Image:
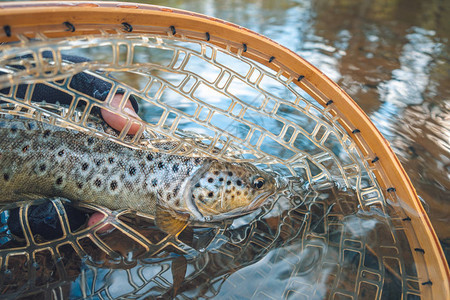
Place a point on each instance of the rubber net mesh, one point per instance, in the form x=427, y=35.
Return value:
x=331, y=233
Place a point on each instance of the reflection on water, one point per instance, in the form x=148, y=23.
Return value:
x=305, y=245
x=395, y=65
x=411, y=80
x=392, y=57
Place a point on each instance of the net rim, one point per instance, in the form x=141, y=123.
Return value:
x=19, y=17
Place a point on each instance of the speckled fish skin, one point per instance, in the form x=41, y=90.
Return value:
x=40, y=160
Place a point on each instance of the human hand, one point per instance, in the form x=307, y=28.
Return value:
x=93, y=87
x=118, y=123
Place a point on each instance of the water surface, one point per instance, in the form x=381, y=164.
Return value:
x=391, y=57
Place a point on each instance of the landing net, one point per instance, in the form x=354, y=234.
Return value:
x=348, y=227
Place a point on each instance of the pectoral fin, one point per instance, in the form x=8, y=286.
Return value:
x=170, y=221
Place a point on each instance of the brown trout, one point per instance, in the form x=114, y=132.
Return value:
x=39, y=160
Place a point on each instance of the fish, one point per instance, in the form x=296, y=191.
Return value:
x=39, y=160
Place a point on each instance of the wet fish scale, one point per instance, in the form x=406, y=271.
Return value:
x=52, y=160
x=41, y=160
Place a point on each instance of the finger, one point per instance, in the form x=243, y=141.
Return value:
x=96, y=218
x=117, y=122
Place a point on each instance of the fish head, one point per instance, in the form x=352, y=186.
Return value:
x=226, y=190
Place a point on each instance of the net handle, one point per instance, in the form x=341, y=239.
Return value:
x=59, y=19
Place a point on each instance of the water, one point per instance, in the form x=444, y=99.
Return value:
x=395, y=65
x=391, y=57
x=311, y=245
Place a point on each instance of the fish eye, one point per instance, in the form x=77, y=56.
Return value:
x=258, y=183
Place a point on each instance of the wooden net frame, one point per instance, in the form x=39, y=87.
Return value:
x=289, y=86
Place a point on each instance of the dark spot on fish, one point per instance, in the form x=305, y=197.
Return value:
x=228, y=182
x=30, y=125
x=47, y=133
x=5, y=177
x=238, y=182
x=169, y=196
x=245, y=193
x=197, y=160
x=210, y=194
x=24, y=149
x=113, y=185
x=233, y=188
x=42, y=168
x=132, y=171
x=188, y=171
x=97, y=182
x=149, y=157
x=90, y=140
x=177, y=202
x=99, y=162
x=61, y=153
x=176, y=190
x=160, y=165
x=220, y=179
x=59, y=180
x=210, y=180
x=79, y=185
x=111, y=160
x=13, y=129
x=154, y=182
x=175, y=168
x=238, y=193
x=216, y=173
x=228, y=191
x=230, y=174
x=232, y=197
x=197, y=185
x=201, y=198
x=84, y=166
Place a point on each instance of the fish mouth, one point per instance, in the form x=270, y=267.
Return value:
x=258, y=201
x=237, y=212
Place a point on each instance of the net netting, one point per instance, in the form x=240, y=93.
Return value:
x=334, y=232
